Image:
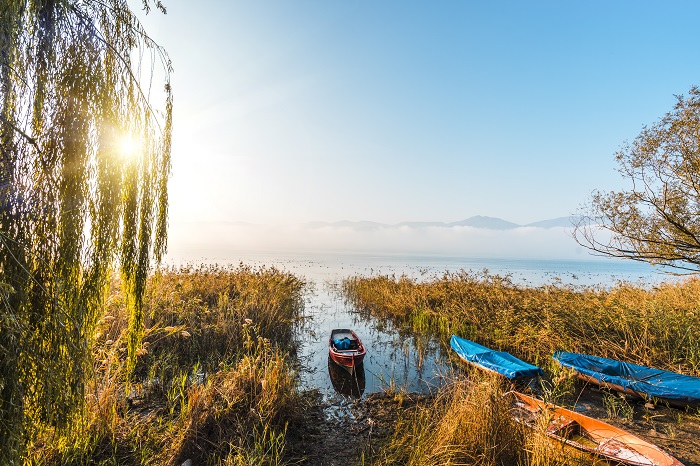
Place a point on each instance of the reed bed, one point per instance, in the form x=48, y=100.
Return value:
x=213, y=381
x=653, y=326
x=469, y=421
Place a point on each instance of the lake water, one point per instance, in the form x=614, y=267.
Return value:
x=323, y=267
x=407, y=363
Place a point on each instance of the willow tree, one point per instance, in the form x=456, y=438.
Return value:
x=657, y=219
x=84, y=164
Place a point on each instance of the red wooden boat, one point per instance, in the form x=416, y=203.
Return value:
x=590, y=435
x=345, y=348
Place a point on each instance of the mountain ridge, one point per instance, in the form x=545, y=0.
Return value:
x=476, y=221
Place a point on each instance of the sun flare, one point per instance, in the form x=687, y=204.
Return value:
x=128, y=147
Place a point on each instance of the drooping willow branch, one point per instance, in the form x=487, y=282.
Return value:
x=73, y=209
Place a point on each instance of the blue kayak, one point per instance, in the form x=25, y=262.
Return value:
x=495, y=361
x=646, y=382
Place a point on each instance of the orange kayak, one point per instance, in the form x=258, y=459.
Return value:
x=588, y=434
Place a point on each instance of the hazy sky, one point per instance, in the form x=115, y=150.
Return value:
x=389, y=111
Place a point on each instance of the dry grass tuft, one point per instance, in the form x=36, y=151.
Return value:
x=237, y=408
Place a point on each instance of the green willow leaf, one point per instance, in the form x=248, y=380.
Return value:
x=74, y=206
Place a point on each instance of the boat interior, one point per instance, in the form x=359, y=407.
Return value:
x=564, y=428
x=570, y=430
x=344, y=341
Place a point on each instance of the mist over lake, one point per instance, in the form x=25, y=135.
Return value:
x=321, y=266
x=218, y=240
x=531, y=254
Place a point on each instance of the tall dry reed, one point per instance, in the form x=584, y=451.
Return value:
x=213, y=380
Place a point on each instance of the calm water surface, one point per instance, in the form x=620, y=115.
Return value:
x=392, y=360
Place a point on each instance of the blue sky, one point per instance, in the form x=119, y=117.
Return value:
x=390, y=111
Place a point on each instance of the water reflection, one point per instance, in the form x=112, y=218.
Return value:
x=346, y=383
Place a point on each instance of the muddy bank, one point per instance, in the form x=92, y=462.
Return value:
x=332, y=436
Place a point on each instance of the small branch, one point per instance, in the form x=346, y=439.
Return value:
x=29, y=139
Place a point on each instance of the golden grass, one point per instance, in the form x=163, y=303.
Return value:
x=649, y=326
x=213, y=381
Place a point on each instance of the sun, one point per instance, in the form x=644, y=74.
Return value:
x=128, y=147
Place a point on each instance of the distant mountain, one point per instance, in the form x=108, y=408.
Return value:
x=480, y=221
